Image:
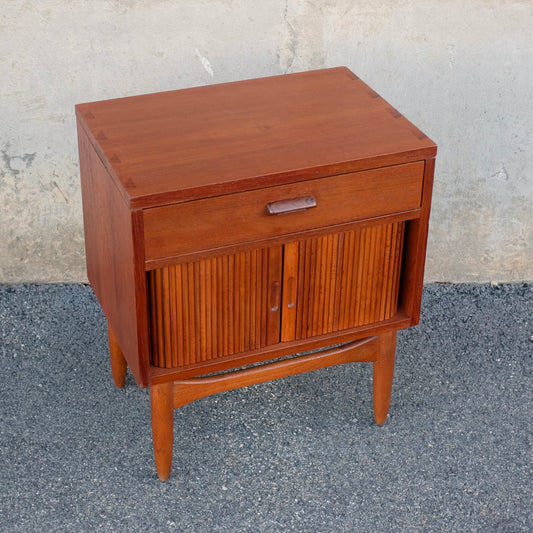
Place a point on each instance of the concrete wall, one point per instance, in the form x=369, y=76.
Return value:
x=462, y=70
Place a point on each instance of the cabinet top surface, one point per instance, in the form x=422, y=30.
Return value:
x=192, y=143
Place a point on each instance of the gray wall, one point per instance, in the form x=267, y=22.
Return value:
x=462, y=70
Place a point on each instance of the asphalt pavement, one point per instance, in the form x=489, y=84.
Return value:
x=299, y=454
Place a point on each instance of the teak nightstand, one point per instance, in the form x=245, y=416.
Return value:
x=235, y=224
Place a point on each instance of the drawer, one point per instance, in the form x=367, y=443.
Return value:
x=199, y=225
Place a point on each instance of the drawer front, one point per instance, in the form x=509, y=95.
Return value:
x=181, y=229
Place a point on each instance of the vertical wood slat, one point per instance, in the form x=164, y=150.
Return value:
x=345, y=280
x=190, y=356
x=290, y=290
x=303, y=261
x=312, y=285
x=356, y=305
x=214, y=307
x=274, y=270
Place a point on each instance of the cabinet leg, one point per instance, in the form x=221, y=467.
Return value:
x=383, y=374
x=118, y=363
x=162, y=402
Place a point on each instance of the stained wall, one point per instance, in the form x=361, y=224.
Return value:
x=461, y=70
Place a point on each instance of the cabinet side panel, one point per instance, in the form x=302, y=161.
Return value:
x=412, y=279
x=108, y=226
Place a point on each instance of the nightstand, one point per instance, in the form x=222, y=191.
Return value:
x=231, y=226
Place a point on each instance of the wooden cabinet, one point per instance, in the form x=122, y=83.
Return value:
x=236, y=224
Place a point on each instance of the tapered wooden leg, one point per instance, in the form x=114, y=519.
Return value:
x=118, y=363
x=162, y=401
x=383, y=374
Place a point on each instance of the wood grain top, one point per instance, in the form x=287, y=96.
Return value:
x=205, y=141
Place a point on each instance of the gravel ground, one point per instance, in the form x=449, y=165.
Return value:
x=298, y=454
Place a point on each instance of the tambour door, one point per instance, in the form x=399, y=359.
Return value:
x=341, y=281
x=229, y=304
x=210, y=308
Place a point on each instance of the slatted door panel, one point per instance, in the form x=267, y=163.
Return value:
x=341, y=281
x=214, y=307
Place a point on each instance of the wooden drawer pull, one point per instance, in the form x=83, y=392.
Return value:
x=290, y=205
